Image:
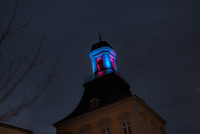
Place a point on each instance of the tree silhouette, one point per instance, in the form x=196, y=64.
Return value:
x=11, y=77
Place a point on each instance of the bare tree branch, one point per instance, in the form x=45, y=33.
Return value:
x=23, y=75
x=19, y=28
x=11, y=77
x=26, y=102
x=11, y=33
x=1, y=30
x=10, y=23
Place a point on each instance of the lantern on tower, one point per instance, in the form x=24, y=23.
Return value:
x=103, y=57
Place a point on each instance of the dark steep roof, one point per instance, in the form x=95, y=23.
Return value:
x=108, y=89
x=100, y=44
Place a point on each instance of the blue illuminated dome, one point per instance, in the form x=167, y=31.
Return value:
x=103, y=58
x=100, y=44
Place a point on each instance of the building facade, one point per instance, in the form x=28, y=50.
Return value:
x=107, y=105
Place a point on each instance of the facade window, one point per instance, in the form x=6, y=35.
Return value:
x=127, y=129
x=125, y=122
x=104, y=126
x=106, y=130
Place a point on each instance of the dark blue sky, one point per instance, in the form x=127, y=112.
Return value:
x=157, y=43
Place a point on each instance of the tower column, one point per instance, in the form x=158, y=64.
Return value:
x=115, y=67
x=106, y=60
x=94, y=67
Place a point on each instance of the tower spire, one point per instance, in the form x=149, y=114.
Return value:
x=99, y=35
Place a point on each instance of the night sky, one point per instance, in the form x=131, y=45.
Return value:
x=157, y=43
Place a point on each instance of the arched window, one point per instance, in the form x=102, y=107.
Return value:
x=126, y=126
x=106, y=130
x=125, y=123
x=104, y=126
x=100, y=64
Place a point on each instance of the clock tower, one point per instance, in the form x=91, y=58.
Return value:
x=107, y=105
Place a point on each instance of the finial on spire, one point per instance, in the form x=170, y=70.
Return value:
x=99, y=35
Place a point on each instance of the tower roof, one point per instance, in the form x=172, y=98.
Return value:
x=100, y=44
x=107, y=89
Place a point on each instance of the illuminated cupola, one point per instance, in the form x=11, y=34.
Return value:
x=103, y=57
